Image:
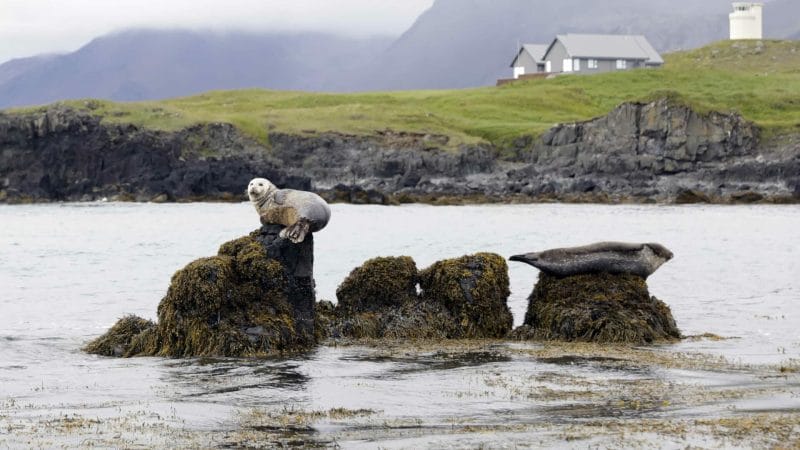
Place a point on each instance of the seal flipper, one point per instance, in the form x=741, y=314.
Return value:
x=297, y=231
x=528, y=258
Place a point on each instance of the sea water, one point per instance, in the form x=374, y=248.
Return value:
x=69, y=271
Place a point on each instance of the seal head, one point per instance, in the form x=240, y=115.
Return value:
x=259, y=190
x=610, y=257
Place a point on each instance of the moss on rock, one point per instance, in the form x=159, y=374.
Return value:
x=379, y=283
x=474, y=288
x=117, y=341
x=606, y=308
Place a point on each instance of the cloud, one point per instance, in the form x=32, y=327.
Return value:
x=29, y=27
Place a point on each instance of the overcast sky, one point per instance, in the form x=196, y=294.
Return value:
x=30, y=27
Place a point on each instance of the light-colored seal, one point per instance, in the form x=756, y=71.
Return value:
x=610, y=257
x=300, y=212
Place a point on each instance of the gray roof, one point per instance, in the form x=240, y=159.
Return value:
x=609, y=46
x=537, y=52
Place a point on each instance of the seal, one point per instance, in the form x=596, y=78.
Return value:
x=610, y=257
x=300, y=212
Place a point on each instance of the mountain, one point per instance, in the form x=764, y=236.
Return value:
x=151, y=64
x=20, y=66
x=454, y=44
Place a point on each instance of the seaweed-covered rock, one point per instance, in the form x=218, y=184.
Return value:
x=117, y=341
x=606, y=308
x=379, y=283
x=474, y=289
x=461, y=298
x=256, y=297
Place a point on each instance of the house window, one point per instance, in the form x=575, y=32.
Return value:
x=567, y=65
x=576, y=65
x=591, y=64
x=548, y=66
x=622, y=64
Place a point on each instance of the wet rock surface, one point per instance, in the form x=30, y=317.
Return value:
x=598, y=307
x=255, y=298
x=640, y=152
x=460, y=298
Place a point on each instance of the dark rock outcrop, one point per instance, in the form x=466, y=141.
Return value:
x=603, y=308
x=659, y=151
x=461, y=298
x=640, y=152
x=255, y=298
x=61, y=154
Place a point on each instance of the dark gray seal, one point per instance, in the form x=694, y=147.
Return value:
x=300, y=212
x=610, y=257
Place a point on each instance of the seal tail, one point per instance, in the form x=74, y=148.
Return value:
x=297, y=231
x=528, y=258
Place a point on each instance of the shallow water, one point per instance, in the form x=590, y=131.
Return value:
x=69, y=271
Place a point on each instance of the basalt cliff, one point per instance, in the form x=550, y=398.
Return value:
x=639, y=152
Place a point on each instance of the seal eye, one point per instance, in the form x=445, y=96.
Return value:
x=260, y=184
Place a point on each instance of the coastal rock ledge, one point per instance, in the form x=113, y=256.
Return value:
x=254, y=298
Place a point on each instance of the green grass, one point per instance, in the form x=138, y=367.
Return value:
x=759, y=80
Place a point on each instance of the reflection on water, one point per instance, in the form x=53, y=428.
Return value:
x=69, y=271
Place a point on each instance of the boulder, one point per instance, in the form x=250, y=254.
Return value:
x=596, y=307
x=379, y=283
x=461, y=298
x=119, y=340
x=474, y=289
x=254, y=298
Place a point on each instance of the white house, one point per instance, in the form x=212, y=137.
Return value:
x=747, y=21
x=529, y=59
x=595, y=53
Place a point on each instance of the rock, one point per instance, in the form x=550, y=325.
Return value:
x=746, y=197
x=691, y=196
x=160, y=198
x=118, y=341
x=474, y=289
x=379, y=283
x=610, y=257
x=59, y=153
x=461, y=298
x=255, y=298
x=652, y=150
x=601, y=308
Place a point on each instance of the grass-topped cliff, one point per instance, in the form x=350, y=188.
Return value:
x=759, y=79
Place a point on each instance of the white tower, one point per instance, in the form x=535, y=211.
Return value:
x=746, y=20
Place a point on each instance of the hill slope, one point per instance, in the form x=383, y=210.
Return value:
x=761, y=80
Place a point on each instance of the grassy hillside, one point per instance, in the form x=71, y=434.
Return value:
x=759, y=80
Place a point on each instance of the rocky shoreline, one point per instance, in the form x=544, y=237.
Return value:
x=658, y=152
